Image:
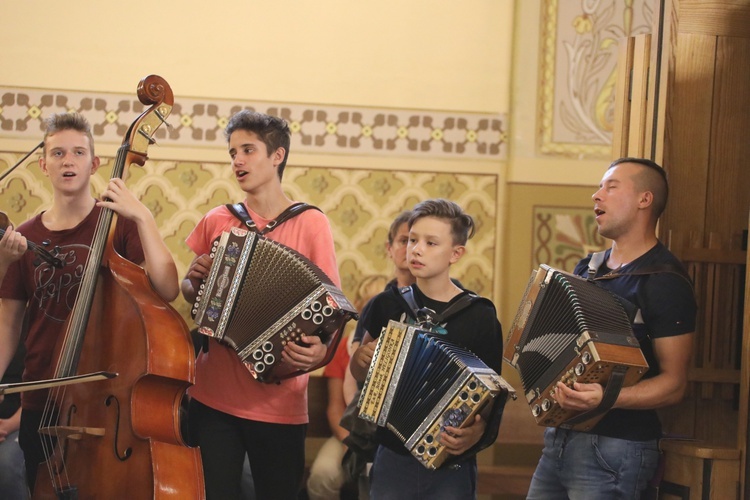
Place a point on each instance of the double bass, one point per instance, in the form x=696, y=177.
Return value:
x=121, y=437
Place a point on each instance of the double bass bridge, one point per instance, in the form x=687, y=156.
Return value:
x=72, y=432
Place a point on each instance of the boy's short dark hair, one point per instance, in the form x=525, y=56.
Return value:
x=402, y=218
x=67, y=121
x=272, y=131
x=653, y=179
x=462, y=224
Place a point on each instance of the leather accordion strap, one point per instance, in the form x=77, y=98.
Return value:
x=239, y=211
x=597, y=259
x=423, y=313
x=611, y=391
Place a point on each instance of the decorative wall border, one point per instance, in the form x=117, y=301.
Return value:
x=315, y=128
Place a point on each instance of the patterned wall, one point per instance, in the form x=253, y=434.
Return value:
x=579, y=49
x=359, y=203
x=315, y=129
x=564, y=235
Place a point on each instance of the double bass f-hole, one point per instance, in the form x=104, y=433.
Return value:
x=128, y=451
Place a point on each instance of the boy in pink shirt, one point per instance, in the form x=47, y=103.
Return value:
x=231, y=413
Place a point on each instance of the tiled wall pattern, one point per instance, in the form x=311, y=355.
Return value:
x=316, y=129
x=359, y=203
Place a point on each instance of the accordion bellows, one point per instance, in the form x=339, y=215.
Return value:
x=569, y=329
x=260, y=295
x=419, y=382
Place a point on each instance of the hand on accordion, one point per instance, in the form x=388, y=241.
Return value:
x=305, y=355
x=580, y=397
x=458, y=441
x=362, y=356
x=197, y=273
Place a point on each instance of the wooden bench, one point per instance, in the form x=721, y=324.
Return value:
x=505, y=469
x=504, y=479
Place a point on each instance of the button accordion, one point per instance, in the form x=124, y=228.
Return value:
x=568, y=329
x=259, y=295
x=419, y=382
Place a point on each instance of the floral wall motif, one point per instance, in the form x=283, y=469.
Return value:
x=564, y=235
x=579, y=70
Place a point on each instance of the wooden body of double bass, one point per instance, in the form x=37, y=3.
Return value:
x=140, y=453
x=121, y=438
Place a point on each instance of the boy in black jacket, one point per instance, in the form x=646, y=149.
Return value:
x=438, y=231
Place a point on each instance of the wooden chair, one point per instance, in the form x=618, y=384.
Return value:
x=708, y=465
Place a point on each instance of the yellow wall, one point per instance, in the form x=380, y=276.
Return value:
x=390, y=53
x=405, y=59
x=387, y=57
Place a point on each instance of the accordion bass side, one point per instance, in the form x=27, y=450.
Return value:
x=419, y=382
x=568, y=329
x=259, y=295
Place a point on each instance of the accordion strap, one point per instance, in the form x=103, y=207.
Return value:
x=240, y=211
x=597, y=259
x=611, y=391
x=426, y=315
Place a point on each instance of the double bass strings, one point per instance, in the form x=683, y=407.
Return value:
x=74, y=333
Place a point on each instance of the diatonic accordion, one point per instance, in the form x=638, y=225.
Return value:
x=419, y=382
x=259, y=295
x=569, y=329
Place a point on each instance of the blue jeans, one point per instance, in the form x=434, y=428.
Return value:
x=581, y=466
x=395, y=476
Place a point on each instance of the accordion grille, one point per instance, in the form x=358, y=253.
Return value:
x=565, y=308
x=426, y=377
x=276, y=281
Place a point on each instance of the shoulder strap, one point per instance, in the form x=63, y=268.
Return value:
x=655, y=269
x=594, y=263
x=239, y=211
x=407, y=295
x=424, y=314
x=597, y=259
x=462, y=303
